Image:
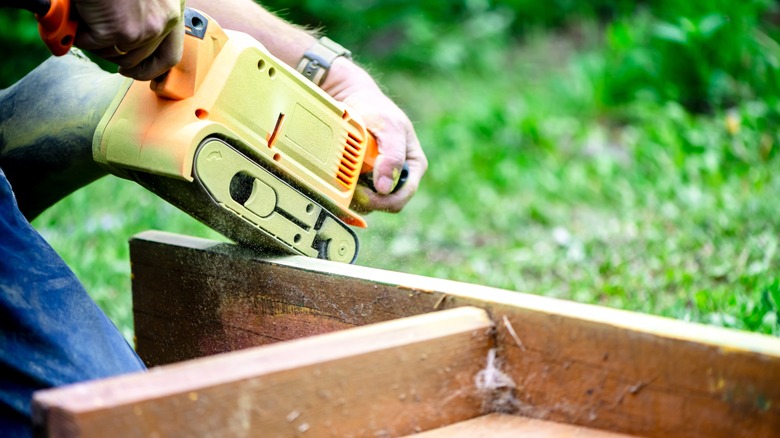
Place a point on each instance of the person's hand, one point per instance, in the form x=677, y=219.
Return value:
x=396, y=140
x=145, y=38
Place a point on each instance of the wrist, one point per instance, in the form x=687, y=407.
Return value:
x=317, y=60
x=345, y=78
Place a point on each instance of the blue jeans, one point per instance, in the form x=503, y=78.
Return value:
x=51, y=332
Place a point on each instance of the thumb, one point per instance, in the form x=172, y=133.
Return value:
x=386, y=174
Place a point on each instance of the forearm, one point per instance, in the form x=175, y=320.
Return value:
x=286, y=41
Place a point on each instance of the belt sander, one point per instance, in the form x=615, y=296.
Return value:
x=242, y=142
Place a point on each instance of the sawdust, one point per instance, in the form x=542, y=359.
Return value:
x=498, y=390
x=513, y=333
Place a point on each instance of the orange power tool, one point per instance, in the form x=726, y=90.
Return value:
x=241, y=141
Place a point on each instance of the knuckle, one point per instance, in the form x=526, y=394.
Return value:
x=101, y=36
x=154, y=30
x=131, y=35
x=424, y=163
x=395, y=159
x=156, y=27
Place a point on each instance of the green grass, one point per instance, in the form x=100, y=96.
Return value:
x=648, y=209
x=536, y=185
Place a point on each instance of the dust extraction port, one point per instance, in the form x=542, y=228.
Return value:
x=241, y=187
x=254, y=194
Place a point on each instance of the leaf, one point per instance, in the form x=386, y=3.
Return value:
x=711, y=24
x=773, y=290
x=671, y=33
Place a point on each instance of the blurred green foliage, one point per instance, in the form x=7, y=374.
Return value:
x=704, y=54
x=22, y=48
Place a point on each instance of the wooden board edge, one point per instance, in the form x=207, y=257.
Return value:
x=269, y=383
x=498, y=425
x=729, y=340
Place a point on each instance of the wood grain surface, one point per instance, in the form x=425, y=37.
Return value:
x=571, y=363
x=387, y=379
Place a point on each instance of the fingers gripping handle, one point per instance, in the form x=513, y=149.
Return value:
x=202, y=42
x=366, y=173
x=56, y=27
x=367, y=179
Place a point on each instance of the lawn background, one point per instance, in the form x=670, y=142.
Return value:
x=618, y=153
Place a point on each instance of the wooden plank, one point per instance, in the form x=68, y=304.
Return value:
x=571, y=363
x=386, y=379
x=193, y=297
x=639, y=374
x=512, y=426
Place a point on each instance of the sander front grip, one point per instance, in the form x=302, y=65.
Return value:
x=57, y=27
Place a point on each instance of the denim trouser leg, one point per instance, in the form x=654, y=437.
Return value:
x=51, y=332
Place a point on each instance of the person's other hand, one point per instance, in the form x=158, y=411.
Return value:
x=145, y=38
x=396, y=140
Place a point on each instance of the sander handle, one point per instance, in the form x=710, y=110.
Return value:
x=55, y=24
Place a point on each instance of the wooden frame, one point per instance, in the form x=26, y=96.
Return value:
x=556, y=360
x=353, y=382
